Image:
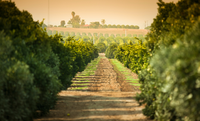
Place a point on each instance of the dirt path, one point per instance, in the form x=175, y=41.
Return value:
x=106, y=78
x=103, y=31
x=104, y=100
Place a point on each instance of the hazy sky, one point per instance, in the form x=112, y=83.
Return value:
x=127, y=12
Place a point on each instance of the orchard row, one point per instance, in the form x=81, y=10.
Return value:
x=34, y=67
x=168, y=63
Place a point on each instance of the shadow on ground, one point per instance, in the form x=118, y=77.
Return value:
x=95, y=106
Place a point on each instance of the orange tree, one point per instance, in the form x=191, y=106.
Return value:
x=168, y=84
x=170, y=77
x=34, y=66
x=133, y=56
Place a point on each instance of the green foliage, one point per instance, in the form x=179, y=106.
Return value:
x=83, y=22
x=44, y=26
x=125, y=39
x=108, y=40
x=103, y=21
x=75, y=20
x=134, y=35
x=89, y=34
x=31, y=46
x=86, y=39
x=62, y=23
x=112, y=35
x=49, y=32
x=101, y=47
x=77, y=54
x=121, y=26
x=136, y=27
x=72, y=34
x=110, y=51
x=78, y=34
x=61, y=33
x=170, y=85
x=102, y=39
x=34, y=66
x=54, y=32
x=77, y=37
x=148, y=27
x=133, y=56
x=119, y=40
x=109, y=26
x=94, y=25
x=129, y=35
x=140, y=35
x=46, y=82
x=16, y=84
x=173, y=20
x=105, y=26
x=66, y=34
x=100, y=35
x=84, y=34
x=149, y=90
x=106, y=35
x=179, y=77
x=117, y=35
x=95, y=34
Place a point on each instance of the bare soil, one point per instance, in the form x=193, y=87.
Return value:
x=108, y=98
x=125, y=86
x=103, y=31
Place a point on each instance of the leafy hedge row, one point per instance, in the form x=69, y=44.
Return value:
x=170, y=83
x=101, y=47
x=111, y=50
x=170, y=87
x=34, y=67
x=133, y=56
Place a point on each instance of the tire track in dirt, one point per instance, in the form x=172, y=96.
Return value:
x=107, y=77
x=104, y=102
x=121, y=79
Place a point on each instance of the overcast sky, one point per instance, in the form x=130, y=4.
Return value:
x=127, y=12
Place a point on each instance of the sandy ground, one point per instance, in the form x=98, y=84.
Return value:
x=103, y=31
x=106, y=101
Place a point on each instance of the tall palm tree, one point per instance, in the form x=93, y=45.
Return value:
x=103, y=21
x=83, y=22
x=73, y=14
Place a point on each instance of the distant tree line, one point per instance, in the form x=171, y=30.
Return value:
x=120, y=26
x=76, y=22
x=103, y=25
x=148, y=27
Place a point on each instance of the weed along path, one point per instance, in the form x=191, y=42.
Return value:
x=102, y=92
